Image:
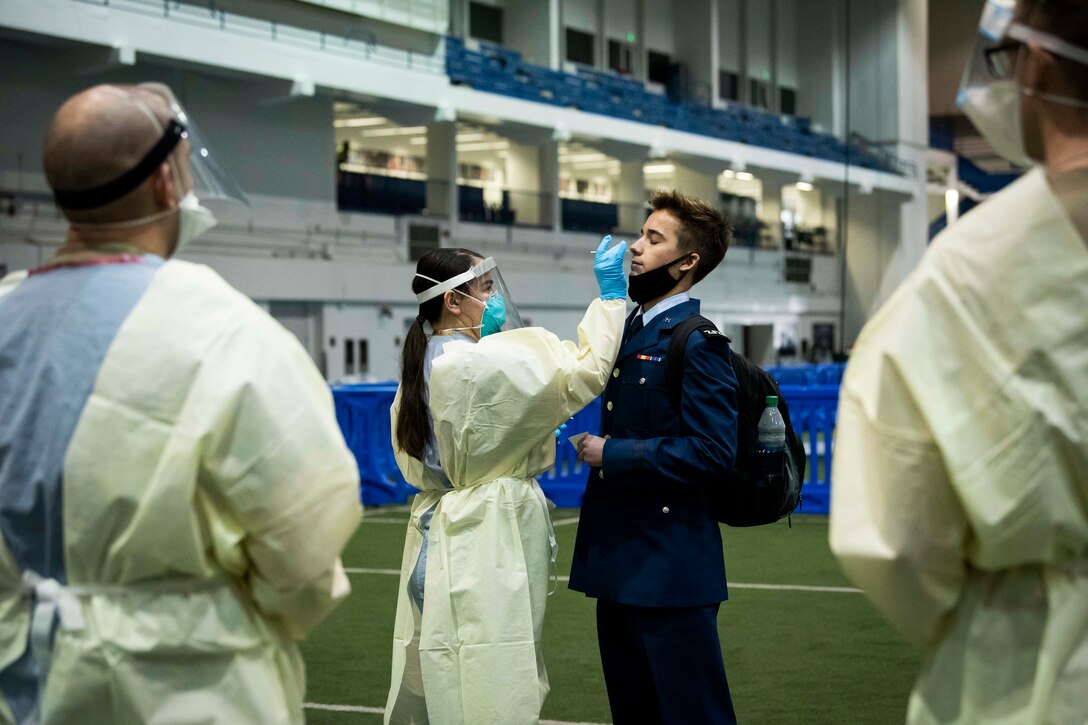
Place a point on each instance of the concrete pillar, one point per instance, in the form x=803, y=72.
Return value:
x=442, y=169
x=522, y=24
x=523, y=174
x=771, y=206
x=695, y=40
x=639, y=62
x=631, y=196
x=772, y=32
x=602, y=41
x=555, y=34
x=697, y=184
x=742, y=53
x=549, y=185
x=821, y=68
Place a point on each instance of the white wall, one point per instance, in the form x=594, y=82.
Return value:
x=821, y=73
x=658, y=32
x=283, y=148
x=952, y=27
x=694, y=45
x=525, y=29
x=729, y=32
x=620, y=18
x=874, y=229
x=758, y=29
x=873, y=87
x=787, y=42
x=580, y=15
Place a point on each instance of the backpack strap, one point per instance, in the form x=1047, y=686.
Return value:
x=678, y=343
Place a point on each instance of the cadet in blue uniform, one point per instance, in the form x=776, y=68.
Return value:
x=647, y=548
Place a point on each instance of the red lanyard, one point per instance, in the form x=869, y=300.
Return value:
x=95, y=262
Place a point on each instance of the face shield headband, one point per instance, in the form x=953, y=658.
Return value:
x=126, y=182
x=195, y=165
x=997, y=28
x=500, y=312
x=470, y=274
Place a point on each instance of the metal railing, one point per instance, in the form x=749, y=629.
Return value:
x=353, y=44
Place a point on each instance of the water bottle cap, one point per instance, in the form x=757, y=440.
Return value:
x=771, y=401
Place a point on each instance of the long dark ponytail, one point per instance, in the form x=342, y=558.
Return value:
x=414, y=420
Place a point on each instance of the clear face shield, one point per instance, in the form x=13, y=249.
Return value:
x=485, y=288
x=989, y=92
x=198, y=175
x=203, y=173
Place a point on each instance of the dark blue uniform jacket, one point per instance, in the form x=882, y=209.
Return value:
x=645, y=537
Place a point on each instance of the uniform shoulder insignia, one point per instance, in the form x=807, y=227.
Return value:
x=712, y=334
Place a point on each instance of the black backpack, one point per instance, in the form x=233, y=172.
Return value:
x=761, y=488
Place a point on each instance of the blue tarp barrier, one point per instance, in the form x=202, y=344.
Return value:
x=363, y=413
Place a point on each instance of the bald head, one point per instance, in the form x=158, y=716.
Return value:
x=97, y=136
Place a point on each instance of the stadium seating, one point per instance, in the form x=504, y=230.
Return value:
x=496, y=69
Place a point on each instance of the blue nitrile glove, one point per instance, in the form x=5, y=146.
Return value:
x=608, y=266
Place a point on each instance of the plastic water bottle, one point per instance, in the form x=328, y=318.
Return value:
x=772, y=428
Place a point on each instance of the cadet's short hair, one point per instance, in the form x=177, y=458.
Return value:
x=703, y=229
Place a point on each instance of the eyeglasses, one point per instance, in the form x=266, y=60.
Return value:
x=1001, y=59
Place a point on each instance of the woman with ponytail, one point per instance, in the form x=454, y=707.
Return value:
x=472, y=424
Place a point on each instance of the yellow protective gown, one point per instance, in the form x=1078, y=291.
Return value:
x=474, y=656
x=208, y=493
x=960, y=501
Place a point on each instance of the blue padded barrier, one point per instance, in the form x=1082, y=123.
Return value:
x=813, y=411
x=362, y=410
x=565, y=483
x=363, y=414
x=808, y=375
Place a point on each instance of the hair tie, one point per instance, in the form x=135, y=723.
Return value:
x=420, y=319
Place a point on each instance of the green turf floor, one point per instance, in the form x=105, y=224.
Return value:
x=791, y=656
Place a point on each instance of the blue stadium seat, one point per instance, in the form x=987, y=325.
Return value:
x=501, y=70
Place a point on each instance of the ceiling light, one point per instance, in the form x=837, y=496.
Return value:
x=358, y=122
x=486, y=146
x=577, y=158
x=400, y=131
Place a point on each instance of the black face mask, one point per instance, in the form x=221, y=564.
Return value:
x=653, y=284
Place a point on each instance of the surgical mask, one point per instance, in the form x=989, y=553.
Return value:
x=193, y=220
x=494, y=315
x=493, y=319
x=990, y=96
x=995, y=111
x=655, y=283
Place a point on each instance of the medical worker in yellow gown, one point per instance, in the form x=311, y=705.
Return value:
x=174, y=490
x=473, y=422
x=960, y=499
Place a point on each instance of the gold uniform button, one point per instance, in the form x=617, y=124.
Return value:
x=600, y=474
x=664, y=509
x=615, y=372
x=609, y=406
x=642, y=381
